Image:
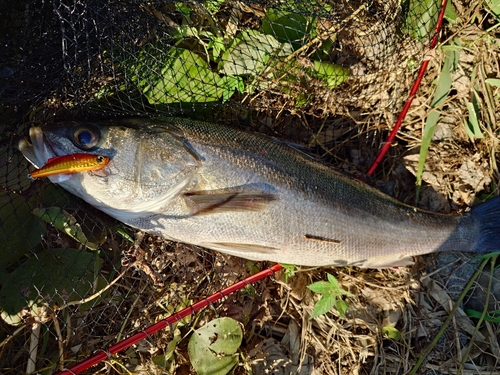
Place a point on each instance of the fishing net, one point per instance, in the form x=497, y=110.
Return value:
x=331, y=75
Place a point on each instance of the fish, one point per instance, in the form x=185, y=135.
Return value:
x=251, y=196
x=74, y=163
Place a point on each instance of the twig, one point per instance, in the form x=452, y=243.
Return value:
x=60, y=343
x=8, y=338
x=95, y=295
x=33, y=351
x=130, y=311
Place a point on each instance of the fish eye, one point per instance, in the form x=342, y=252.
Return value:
x=86, y=137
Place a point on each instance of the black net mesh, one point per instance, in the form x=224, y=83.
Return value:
x=327, y=74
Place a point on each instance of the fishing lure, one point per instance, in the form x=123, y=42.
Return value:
x=73, y=163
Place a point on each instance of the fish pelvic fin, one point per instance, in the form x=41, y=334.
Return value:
x=243, y=250
x=486, y=217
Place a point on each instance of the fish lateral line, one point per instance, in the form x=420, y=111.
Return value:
x=68, y=164
x=312, y=237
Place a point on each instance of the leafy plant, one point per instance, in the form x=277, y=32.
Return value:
x=443, y=86
x=287, y=27
x=391, y=333
x=331, y=296
x=289, y=270
x=251, y=51
x=213, y=6
x=208, y=65
x=333, y=75
x=472, y=126
x=181, y=76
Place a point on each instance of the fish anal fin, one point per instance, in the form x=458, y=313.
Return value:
x=225, y=200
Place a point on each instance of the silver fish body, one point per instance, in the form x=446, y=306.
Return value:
x=250, y=196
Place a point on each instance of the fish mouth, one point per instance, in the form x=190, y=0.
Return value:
x=38, y=150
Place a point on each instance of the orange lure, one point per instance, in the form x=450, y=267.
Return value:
x=74, y=163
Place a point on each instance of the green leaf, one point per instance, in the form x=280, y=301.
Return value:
x=66, y=223
x=213, y=347
x=341, y=306
x=472, y=126
x=123, y=232
x=321, y=287
x=450, y=14
x=493, y=81
x=324, y=305
x=251, y=52
x=289, y=270
x=217, y=45
x=333, y=75
x=213, y=6
x=185, y=31
x=493, y=7
x=183, y=9
x=333, y=281
x=491, y=316
x=253, y=267
x=231, y=85
x=443, y=87
x=391, y=333
x=332, y=293
x=167, y=361
x=345, y=293
x=287, y=27
x=180, y=76
x=54, y=276
x=490, y=255
x=421, y=18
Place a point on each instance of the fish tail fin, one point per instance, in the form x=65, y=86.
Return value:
x=487, y=217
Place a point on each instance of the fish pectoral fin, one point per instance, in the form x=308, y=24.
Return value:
x=239, y=248
x=225, y=200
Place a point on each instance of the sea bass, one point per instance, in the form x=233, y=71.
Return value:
x=250, y=196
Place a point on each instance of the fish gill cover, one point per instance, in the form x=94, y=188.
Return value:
x=330, y=75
